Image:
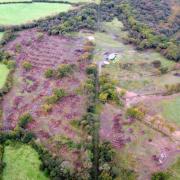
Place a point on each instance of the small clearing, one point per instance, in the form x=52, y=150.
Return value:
x=22, y=162
x=171, y=110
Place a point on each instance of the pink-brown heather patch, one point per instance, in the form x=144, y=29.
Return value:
x=31, y=87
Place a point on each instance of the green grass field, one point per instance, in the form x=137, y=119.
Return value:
x=171, y=110
x=72, y=1
x=3, y=74
x=22, y=163
x=174, y=170
x=14, y=14
x=14, y=1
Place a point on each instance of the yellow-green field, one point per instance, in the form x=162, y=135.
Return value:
x=171, y=110
x=22, y=163
x=14, y=14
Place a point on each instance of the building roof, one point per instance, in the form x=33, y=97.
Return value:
x=112, y=56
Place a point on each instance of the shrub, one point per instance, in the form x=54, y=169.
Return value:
x=64, y=70
x=108, y=90
x=57, y=95
x=47, y=107
x=89, y=86
x=163, y=70
x=24, y=120
x=28, y=136
x=122, y=92
x=51, y=99
x=160, y=176
x=27, y=65
x=89, y=46
x=18, y=48
x=105, y=176
x=134, y=113
x=40, y=36
x=86, y=56
x=103, y=97
x=7, y=36
x=91, y=69
x=49, y=73
x=11, y=64
x=156, y=63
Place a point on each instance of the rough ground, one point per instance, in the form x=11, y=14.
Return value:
x=31, y=88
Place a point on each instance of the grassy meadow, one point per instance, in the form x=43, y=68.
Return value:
x=171, y=110
x=22, y=163
x=71, y=1
x=2, y=1
x=3, y=74
x=14, y=14
x=174, y=170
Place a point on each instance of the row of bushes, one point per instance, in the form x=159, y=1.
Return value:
x=6, y=59
x=7, y=36
x=62, y=71
x=11, y=66
x=135, y=113
x=144, y=37
x=102, y=154
x=108, y=90
x=17, y=2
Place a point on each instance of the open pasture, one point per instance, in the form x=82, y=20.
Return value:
x=174, y=170
x=171, y=110
x=22, y=162
x=15, y=14
x=3, y=74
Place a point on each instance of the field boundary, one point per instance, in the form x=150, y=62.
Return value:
x=38, y=1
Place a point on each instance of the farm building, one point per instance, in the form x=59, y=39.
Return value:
x=111, y=56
